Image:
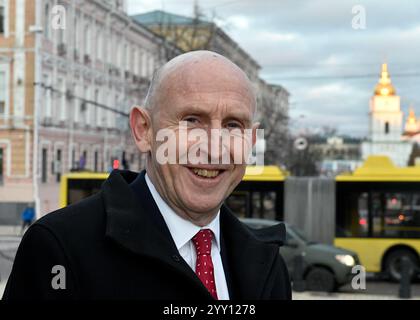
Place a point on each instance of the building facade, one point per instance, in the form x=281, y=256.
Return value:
x=337, y=154
x=70, y=71
x=16, y=106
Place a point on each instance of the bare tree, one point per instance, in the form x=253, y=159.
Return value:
x=276, y=135
x=415, y=155
x=272, y=113
x=302, y=162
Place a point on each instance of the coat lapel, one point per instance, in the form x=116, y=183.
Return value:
x=249, y=261
x=135, y=223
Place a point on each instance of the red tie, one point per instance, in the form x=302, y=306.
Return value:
x=204, y=267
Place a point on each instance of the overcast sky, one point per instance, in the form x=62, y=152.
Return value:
x=310, y=48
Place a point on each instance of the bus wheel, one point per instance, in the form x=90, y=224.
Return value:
x=393, y=264
x=320, y=279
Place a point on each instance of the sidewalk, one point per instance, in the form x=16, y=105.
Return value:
x=13, y=231
x=344, y=296
x=314, y=295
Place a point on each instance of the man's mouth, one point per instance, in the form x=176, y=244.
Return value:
x=206, y=173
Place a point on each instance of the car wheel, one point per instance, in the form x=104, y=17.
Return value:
x=393, y=264
x=320, y=279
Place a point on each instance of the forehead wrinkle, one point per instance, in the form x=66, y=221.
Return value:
x=221, y=111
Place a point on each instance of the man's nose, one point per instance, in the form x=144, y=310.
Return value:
x=218, y=150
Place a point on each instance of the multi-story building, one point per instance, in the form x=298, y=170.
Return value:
x=16, y=107
x=337, y=154
x=69, y=72
x=196, y=33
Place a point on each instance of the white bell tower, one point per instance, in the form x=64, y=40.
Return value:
x=386, y=124
x=386, y=118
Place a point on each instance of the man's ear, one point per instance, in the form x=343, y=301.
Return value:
x=255, y=126
x=141, y=128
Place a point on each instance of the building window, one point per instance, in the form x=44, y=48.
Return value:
x=47, y=20
x=87, y=40
x=1, y=17
x=95, y=161
x=139, y=57
x=44, y=165
x=62, y=99
x=99, y=46
x=2, y=93
x=61, y=36
x=120, y=55
x=386, y=127
x=47, y=96
x=127, y=57
x=57, y=165
x=84, y=107
x=73, y=158
x=75, y=30
x=1, y=166
x=97, y=110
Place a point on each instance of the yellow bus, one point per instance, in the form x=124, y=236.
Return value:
x=260, y=193
x=378, y=215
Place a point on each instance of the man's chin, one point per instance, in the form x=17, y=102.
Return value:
x=204, y=207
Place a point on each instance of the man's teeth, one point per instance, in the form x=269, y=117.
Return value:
x=206, y=173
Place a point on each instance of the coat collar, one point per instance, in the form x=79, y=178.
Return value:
x=134, y=222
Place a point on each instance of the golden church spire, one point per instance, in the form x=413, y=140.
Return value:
x=411, y=116
x=384, y=86
x=411, y=124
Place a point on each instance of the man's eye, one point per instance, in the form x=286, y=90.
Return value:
x=191, y=120
x=233, y=125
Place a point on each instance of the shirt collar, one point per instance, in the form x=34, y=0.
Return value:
x=182, y=230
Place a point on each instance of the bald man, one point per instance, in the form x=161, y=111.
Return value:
x=163, y=233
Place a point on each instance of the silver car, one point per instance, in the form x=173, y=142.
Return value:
x=324, y=267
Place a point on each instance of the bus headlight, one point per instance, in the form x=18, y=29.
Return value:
x=346, y=259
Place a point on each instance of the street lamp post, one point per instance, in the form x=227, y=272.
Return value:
x=37, y=31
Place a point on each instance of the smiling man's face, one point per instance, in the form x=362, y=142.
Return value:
x=204, y=92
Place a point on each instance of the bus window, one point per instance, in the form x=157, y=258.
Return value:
x=380, y=210
x=79, y=189
x=354, y=220
x=238, y=203
x=253, y=204
x=264, y=205
x=395, y=215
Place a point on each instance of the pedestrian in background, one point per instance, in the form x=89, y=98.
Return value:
x=82, y=162
x=28, y=216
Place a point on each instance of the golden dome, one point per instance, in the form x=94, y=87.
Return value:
x=411, y=117
x=384, y=86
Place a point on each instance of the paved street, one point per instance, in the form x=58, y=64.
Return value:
x=376, y=289
x=8, y=247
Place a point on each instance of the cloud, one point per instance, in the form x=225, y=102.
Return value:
x=239, y=22
x=310, y=47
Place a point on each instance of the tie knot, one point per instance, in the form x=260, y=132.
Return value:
x=202, y=242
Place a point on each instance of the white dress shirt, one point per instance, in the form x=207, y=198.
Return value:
x=182, y=231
